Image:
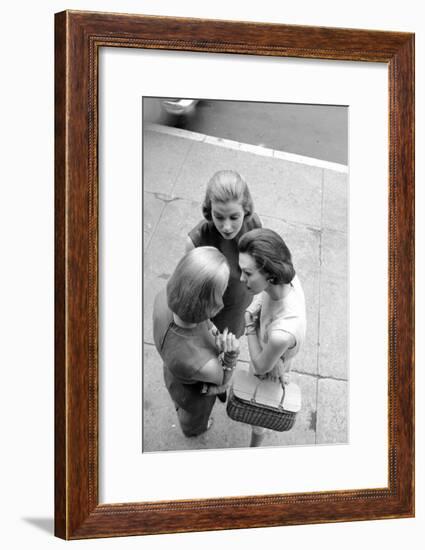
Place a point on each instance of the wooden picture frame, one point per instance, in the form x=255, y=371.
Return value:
x=78, y=38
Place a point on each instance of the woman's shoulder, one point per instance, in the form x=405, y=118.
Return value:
x=202, y=233
x=188, y=353
x=254, y=222
x=290, y=314
x=161, y=317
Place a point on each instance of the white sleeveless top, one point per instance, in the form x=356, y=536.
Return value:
x=287, y=315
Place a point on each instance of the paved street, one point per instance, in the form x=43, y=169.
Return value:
x=318, y=131
x=307, y=205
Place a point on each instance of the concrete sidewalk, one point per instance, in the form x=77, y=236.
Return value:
x=304, y=201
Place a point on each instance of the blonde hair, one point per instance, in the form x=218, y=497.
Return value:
x=195, y=289
x=224, y=186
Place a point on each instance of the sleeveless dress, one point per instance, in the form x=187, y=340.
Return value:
x=287, y=315
x=184, y=352
x=236, y=297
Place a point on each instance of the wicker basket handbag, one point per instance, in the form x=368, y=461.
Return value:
x=264, y=403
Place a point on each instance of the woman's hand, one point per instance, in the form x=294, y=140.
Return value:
x=278, y=372
x=227, y=342
x=255, y=307
x=230, y=342
x=251, y=318
x=217, y=336
x=252, y=323
x=213, y=389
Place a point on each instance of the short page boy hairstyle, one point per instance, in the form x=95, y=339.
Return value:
x=195, y=289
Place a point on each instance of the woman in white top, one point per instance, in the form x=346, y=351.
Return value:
x=275, y=321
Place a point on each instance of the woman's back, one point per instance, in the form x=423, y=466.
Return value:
x=183, y=350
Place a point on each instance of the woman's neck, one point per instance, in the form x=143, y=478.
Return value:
x=278, y=292
x=183, y=324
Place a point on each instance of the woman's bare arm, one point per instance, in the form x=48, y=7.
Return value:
x=219, y=372
x=264, y=358
x=211, y=372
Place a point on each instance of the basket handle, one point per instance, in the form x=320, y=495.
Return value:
x=253, y=400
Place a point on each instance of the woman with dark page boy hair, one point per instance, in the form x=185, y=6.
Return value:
x=228, y=212
x=198, y=360
x=276, y=322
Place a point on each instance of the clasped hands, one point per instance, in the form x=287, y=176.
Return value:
x=227, y=343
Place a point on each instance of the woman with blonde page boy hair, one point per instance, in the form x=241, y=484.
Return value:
x=228, y=212
x=198, y=361
x=276, y=321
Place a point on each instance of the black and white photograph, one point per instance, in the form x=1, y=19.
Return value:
x=213, y=266
x=245, y=274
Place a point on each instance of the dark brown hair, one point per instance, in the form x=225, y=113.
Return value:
x=270, y=253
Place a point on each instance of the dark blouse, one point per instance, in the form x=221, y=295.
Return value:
x=184, y=352
x=236, y=298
